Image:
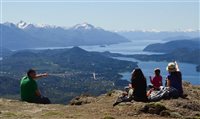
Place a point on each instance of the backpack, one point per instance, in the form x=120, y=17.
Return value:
x=164, y=93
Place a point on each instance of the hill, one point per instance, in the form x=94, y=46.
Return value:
x=190, y=44
x=26, y=35
x=70, y=72
x=181, y=55
x=101, y=108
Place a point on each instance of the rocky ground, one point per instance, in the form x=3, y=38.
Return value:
x=86, y=107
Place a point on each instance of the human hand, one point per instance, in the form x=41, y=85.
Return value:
x=45, y=74
x=130, y=85
x=40, y=76
x=177, y=67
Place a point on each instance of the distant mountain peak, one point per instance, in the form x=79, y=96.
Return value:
x=22, y=25
x=83, y=26
x=9, y=24
x=77, y=49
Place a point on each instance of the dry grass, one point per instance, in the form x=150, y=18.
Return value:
x=102, y=108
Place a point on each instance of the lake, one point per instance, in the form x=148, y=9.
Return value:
x=135, y=47
x=188, y=70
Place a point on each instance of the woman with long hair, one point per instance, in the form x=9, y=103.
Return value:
x=139, y=84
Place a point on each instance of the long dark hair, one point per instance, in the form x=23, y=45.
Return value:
x=137, y=74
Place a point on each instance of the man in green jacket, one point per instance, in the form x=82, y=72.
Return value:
x=29, y=89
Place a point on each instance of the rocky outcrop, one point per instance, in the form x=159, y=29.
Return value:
x=87, y=107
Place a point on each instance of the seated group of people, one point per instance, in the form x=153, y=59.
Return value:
x=138, y=91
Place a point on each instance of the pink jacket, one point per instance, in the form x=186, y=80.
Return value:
x=156, y=81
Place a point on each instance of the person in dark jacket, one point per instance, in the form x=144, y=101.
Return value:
x=174, y=79
x=139, y=84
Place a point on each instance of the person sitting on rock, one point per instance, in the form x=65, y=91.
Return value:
x=128, y=91
x=156, y=80
x=29, y=90
x=127, y=95
x=174, y=79
x=139, y=84
x=136, y=90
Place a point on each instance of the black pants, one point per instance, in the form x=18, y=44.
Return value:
x=41, y=100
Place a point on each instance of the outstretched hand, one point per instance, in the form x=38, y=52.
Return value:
x=44, y=74
x=177, y=67
x=41, y=75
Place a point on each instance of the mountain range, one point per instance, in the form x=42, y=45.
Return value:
x=159, y=35
x=23, y=35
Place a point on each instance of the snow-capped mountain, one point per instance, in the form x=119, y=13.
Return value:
x=25, y=25
x=8, y=24
x=83, y=26
x=158, y=35
x=26, y=35
x=22, y=25
x=14, y=38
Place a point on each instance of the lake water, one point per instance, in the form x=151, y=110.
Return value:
x=135, y=47
x=188, y=70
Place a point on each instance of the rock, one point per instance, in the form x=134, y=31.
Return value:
x=153, y=108
x=132, y=113
x=192, y=106
x=125, y=103
x=109, y=93
x=186, y=83
x=175, y=115
x=114, y=93
x=79, y=100
x=165, y=113
x=197, y=114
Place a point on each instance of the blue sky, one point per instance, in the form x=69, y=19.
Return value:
x=111, y=15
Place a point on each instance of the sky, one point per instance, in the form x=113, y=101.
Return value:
x=162, y=15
